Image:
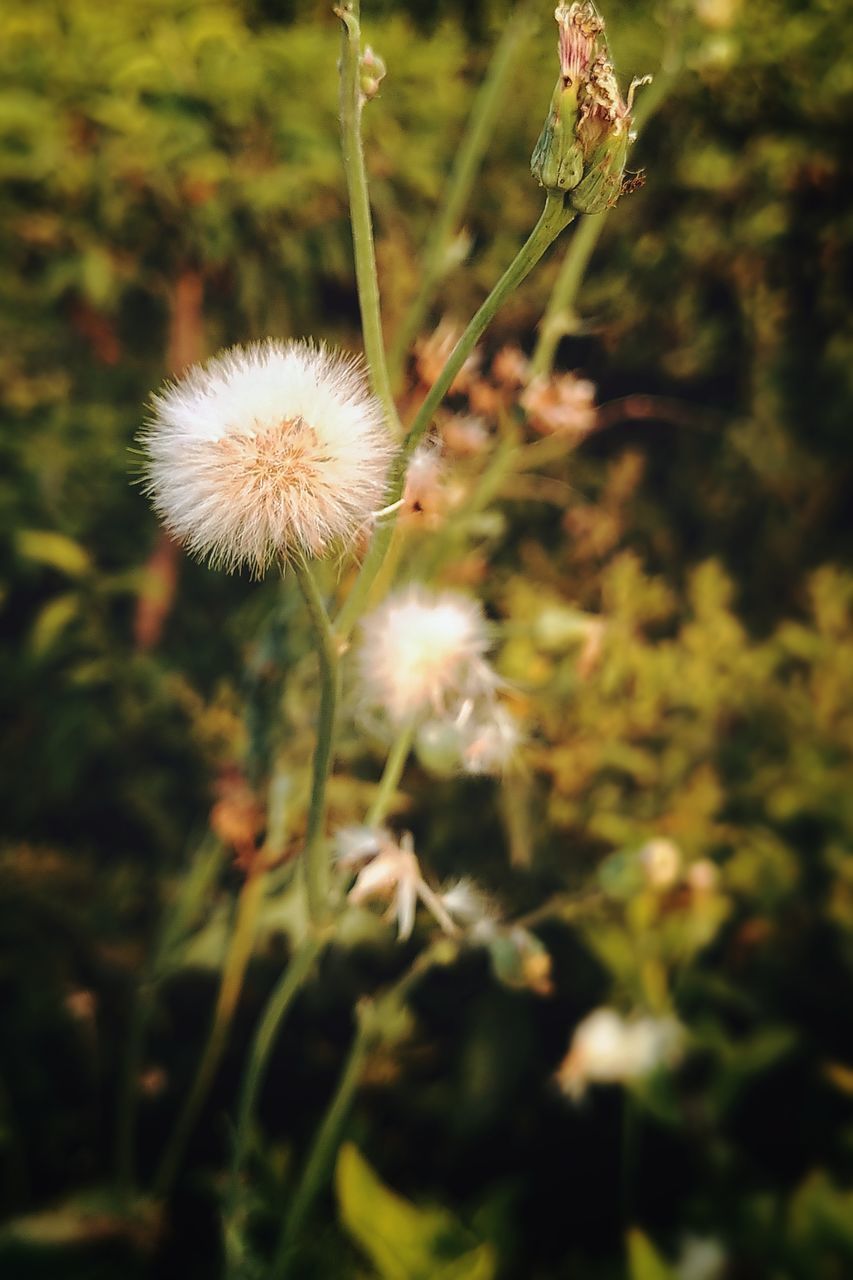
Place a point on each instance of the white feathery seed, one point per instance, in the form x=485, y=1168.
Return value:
x=422, y=653
x=266, y=451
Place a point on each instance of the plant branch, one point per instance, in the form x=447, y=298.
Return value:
x=315, y=858
x=391, y=776
x=351, y=104
x=553, y=219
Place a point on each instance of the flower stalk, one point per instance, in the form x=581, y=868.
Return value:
x=351, y=105
x=315, y=857
x=555, y=217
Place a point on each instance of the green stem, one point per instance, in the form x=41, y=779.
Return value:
x=555, y=216
x=323, y=1150
x=351, y=103
x=315, y=857
x=236, y=960
x=374, y=1016
x=466, y=166
x=280, y=1000
x=391, y=776
x=559, y=319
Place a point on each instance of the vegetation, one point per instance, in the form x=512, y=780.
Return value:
x=672, y=616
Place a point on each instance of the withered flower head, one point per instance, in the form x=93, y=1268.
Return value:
x=584, y=143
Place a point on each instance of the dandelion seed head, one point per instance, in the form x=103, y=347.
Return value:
x=266, y=451
x=422, y=652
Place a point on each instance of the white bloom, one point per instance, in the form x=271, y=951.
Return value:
x=701, y=1258
x=703, y=876
x=661, y=863
x=491, y=737
x=265, y=451
x=422, y=653
x=357, y=845
x=608, y=1049
x=466, y=902
x=394, y=874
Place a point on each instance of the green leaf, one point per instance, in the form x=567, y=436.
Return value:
x=45, y=546
x=52, y=620
x=405, y=1242
x=644, y=1261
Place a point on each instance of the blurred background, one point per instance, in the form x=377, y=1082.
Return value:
x=171, y=183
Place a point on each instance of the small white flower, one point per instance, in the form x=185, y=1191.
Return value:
x=703, y=877
x=608, y=1049
x=266, y=451
x=491, y=739
x=701, y=1258
x=466, y=902
x=357, y=845
x=394, y=874
x=422, y=653
x=661, y=863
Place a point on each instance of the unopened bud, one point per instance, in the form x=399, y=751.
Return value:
x=371, y=73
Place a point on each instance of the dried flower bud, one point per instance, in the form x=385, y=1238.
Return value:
x=425, y=495
x=584, y=142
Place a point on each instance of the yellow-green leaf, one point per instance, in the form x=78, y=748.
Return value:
x=405, y=1242
x=55, y=549
x=644, y=1261
x=52, y=619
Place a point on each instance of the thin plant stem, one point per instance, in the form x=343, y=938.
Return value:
x=327, y=1139
x=236, y=960
x=315, y=856
x=391, y=776
x=558, y=321
x=323, y=1149
x=466, y=166
x=280, y=1001
x=553, y=219
x=559, y=318
x=351, y=104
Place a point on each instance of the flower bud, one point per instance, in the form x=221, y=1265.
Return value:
x=583, y=146
x=371, y=73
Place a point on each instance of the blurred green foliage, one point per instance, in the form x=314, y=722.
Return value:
x=677, y=627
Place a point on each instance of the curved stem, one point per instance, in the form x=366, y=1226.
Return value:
x=236, y=960
x=373, y=1017
x=555, y=216
x=315, y=858
x=280, y=1000
x=463, y=175
x=323, y=1149
x=391, y=776
x=351, y=103
x=557, y=321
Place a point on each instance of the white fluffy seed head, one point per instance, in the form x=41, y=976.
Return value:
x=266, y=451
x=422, y=653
